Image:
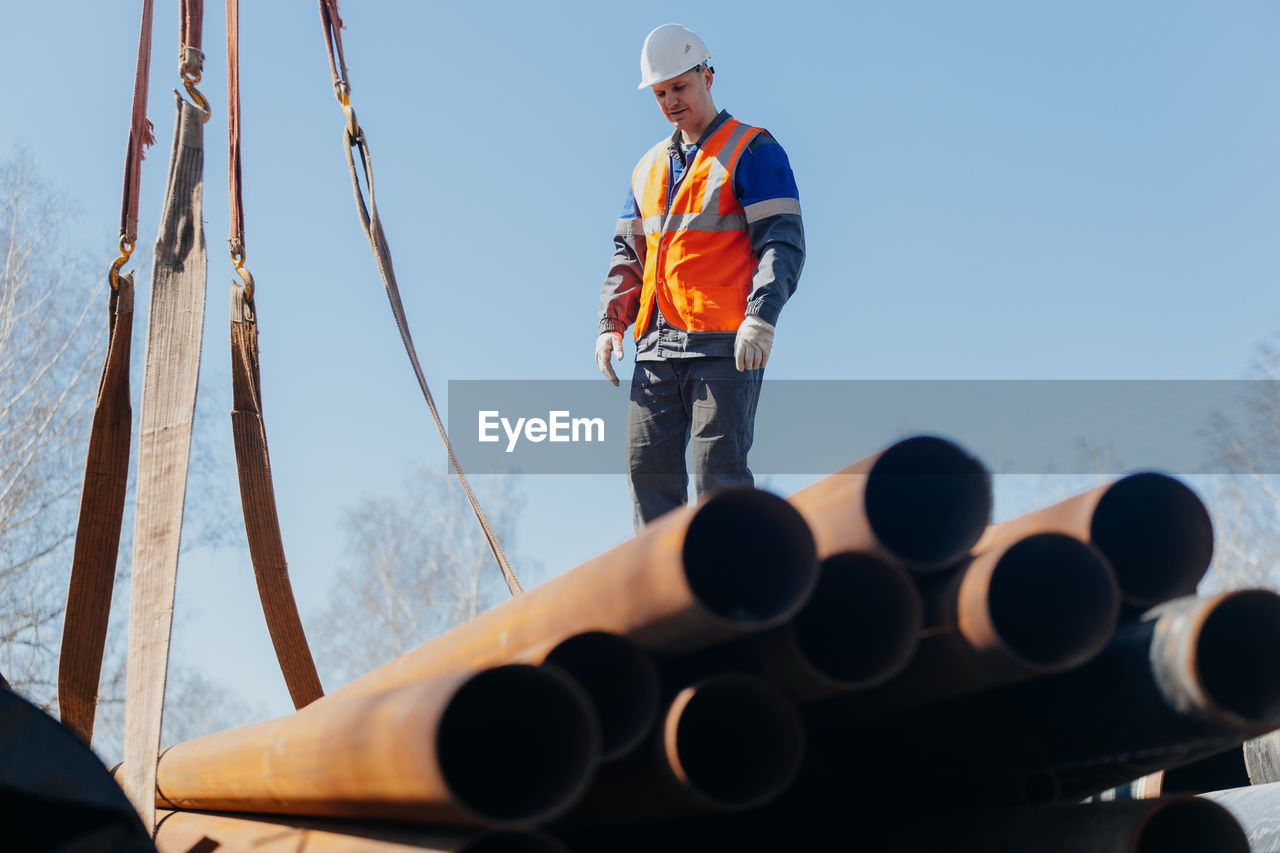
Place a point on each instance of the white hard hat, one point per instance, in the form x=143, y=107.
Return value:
x=668, y=52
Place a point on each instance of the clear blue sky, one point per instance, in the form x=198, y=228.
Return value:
x=990, y=190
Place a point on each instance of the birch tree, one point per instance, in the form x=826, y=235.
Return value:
x=1246, y=505
x=53, y=318
x=49, y=358
x=416, y=564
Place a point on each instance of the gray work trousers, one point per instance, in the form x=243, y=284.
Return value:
x=704, y=399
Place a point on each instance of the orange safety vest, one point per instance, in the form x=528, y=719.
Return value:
x=698, y=259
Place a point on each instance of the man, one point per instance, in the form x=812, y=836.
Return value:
x=707, y=251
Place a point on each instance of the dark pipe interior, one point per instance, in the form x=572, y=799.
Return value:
x=739, y=741
x=928, y=500
x=1040, y=788
x=621, y=682
x=863, y=621
x=1191, y=825
x=749, y=557
x=517, y=744
x=1238, y=656
x=513, y=842
x=1053, y=601
x=1215, y=773
x=1157, y=535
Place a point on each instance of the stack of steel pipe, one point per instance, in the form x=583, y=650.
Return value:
x=763, y=674
x=501, y=723
x=1179, y=680
x=1169, y=825
x=1217, y=772
x=1190, y=679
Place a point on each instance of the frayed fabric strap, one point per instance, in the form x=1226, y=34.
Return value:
x=102, y=498
x=258, y=500
x=233, y=125
x=191, y=34
x=141, y=133
x=253, y=463
x=164, y=446
x=93, y=566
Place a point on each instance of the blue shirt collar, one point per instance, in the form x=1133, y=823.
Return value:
x=674, y=149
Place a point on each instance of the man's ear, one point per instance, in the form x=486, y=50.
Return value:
x=708, y=76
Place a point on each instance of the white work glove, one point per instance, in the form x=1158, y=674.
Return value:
x=752, y=345
x=609, y=343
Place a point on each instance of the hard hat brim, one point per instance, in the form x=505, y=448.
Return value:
x=645, y=84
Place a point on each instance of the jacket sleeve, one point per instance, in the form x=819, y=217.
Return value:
x=766, y=189
x=620, y=296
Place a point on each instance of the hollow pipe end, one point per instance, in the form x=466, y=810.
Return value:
x=1157, y=535
x=1191, y=824
x=928, y=501
x=1234, y=658
x=620, y=680
x=862, y=624
x=1046, y=603
x=518, y=745
x=749, y=558
x=734, y=741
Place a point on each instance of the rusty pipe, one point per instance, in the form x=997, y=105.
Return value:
x=921, y=503
x=729, y=742
x=706, y=727
x=1040, y=604
x=1216, y=666
x=1099, y=778
x=1168, y=825
x=1148, y=787
x=184, y=832
x=1172, y=825
x=1154, y=531
x=1043, y=604
x=858, y=630
x=1191, y=678
x=1219, y=658
x=1216, y=772
x=741, y=561
x=508, y=747
x=621, y=681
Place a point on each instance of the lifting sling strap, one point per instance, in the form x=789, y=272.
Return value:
x=253, y=464
x=93, y=566
x=106, y=469
x=174, y=335
x=372, y=224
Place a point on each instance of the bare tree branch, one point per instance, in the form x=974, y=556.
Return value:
x=53, y=308
x=416, y=566
x=50, y=351
x=1246, y=505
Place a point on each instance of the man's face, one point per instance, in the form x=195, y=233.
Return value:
x=686, y=100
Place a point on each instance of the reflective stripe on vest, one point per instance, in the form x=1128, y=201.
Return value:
x=698, y=260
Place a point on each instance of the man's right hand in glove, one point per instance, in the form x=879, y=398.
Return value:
x=752, y=345
x=609, y=343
